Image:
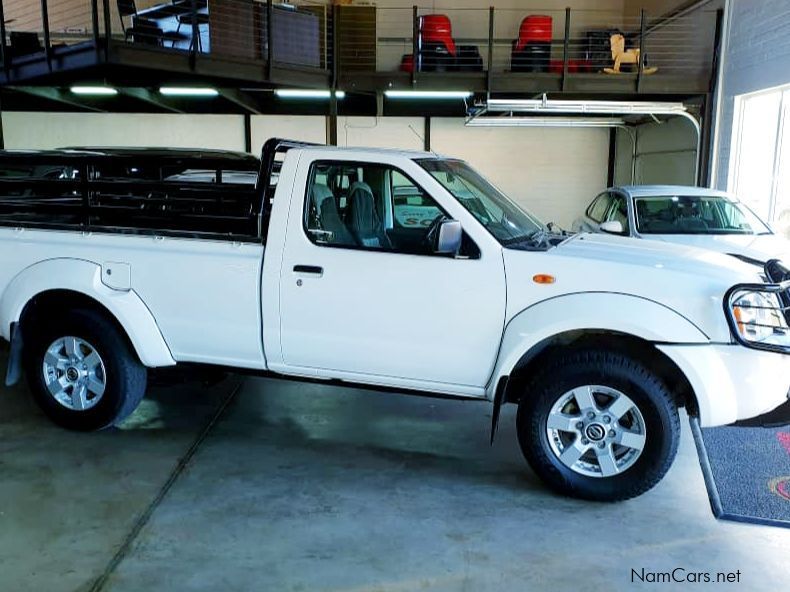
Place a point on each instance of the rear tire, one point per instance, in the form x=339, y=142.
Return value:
x=82, y=371
x=598, y=425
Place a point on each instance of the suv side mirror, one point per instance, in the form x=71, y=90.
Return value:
x=448, y=238
x=612, y=227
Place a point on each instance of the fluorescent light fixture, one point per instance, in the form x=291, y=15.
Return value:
x=427, y=94
x=185, y=91
x=94, y=90
x=544, y=122
x=297, y=93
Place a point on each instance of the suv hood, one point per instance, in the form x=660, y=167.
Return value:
x=688, y=280
x=760, y=247
x=659, y=255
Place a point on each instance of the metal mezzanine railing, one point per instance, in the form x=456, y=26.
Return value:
x=358, y=39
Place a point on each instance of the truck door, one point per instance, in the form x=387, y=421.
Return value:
x=362, y=295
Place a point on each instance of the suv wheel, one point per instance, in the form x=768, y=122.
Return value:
x=598, y=425
x=82, y=372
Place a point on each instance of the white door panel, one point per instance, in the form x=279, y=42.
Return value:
x=391, y=318
x=406, y=316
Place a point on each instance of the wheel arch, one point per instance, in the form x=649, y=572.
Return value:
x=60, y=284
x=623, y=343
x=601, y=319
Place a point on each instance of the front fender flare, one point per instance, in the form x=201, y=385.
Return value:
x=84, y=277
x=593, y=311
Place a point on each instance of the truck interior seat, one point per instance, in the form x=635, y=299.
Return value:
x=329, y=217
x=362, y=218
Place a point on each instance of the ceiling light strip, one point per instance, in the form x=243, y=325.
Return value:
x=185, y=91
x=295, y=93
x=427, y=94
x=94, y=90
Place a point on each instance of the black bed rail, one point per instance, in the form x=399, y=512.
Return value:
x=272, y=156
x=79, y=192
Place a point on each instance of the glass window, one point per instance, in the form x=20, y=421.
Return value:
x=412, y=207
x=754, y=173
x=370, y=206
x=695, y=215
x=599, y=207
x=760, y=166
x=508, y=223
x=781, y=214
x=619, y=211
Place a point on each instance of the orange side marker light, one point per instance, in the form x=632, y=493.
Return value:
x=543, y=278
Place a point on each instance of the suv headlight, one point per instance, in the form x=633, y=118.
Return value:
x=758, y=317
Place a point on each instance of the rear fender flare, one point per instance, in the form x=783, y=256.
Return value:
x=84, y=277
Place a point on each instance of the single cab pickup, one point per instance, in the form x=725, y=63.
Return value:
x=401, y=270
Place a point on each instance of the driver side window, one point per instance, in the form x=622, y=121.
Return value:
x=599, y=207
x=368, y=206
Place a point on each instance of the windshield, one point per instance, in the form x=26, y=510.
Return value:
x=501, y=217
x=678, y=214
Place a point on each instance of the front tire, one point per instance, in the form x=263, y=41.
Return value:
x=598, y=425
x=82, y=371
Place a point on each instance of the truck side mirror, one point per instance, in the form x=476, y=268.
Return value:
x=612, y=227
x=448, y=238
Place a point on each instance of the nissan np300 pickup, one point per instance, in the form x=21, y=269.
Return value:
x=382, y=268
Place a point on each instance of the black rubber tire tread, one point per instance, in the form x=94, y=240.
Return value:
x=566, y=371
x=126, y=376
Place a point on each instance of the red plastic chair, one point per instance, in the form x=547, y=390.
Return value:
x=535, y=28
x=436, y=28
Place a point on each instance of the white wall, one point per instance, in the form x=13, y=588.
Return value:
x=553, y=172
x=406, y=133
x=306, y=128
x=53, y=130
x=226, y=132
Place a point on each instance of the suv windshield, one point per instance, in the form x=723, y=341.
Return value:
x=508, y=223
x=678, y=214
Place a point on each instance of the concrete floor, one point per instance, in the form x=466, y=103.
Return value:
x=311, y=487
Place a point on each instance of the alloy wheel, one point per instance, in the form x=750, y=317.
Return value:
x=596, y=431
x=74, y=373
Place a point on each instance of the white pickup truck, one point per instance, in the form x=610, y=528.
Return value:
x=391, y=269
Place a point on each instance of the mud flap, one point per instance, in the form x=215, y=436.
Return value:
x=499, y=397
x=14, y=370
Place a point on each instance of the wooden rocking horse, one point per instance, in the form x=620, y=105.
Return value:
x=621, y=56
